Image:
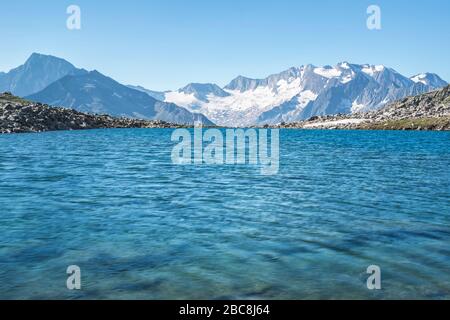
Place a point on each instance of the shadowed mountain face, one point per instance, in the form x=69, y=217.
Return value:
x=154, y=94
x=95, y=93
x=35, y=74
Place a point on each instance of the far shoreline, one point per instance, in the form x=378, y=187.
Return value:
x=374, y=128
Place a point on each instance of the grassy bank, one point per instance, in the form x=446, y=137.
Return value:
x=439, y=124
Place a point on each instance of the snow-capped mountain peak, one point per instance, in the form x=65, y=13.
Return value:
x=429, y=79
x=201, y=91
x=422, y=78
x=372, y=70
x=328, y=72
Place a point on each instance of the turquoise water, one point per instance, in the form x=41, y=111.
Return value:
x=111, y=202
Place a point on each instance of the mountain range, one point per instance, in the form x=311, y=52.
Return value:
x=292, y=95
x=54, y=81
x=300, y=93
x=93, y=92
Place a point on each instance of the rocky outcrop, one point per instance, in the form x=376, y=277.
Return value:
x=19, y=116
x=429, y=111
x=429, y=105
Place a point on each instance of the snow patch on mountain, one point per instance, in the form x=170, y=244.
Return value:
x=420, y=78
x=372, y=70
x=328, y=72
x=182, y=99
x=428, y=79
x=357, y=107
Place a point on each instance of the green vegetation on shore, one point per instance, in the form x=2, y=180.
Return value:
x=8, y=97
x=439, y=124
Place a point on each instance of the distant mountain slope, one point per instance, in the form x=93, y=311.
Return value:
x=35, y=74
x=154, y=94
x=202, y=91
x=429, y=79
x=95, y=93
x=300, y=93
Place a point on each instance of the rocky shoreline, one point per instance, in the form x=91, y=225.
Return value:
x=20, y=116
x=352, y=123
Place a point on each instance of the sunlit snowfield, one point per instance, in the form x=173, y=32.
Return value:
x=111, y=202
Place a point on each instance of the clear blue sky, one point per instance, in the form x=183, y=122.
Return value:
x=165, y=44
